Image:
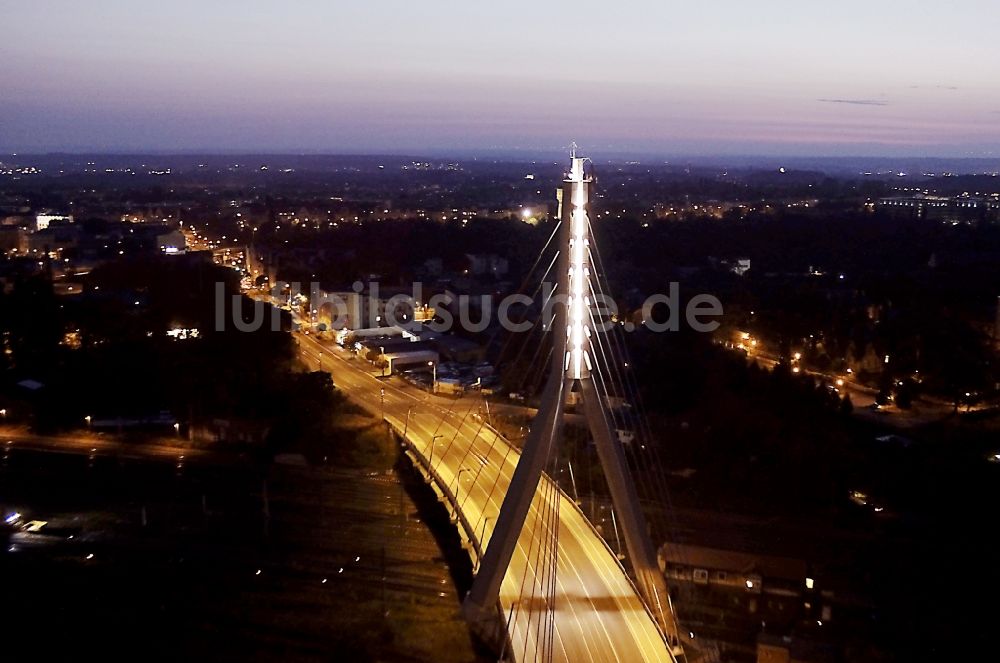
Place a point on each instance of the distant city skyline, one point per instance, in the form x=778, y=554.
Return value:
x=774, y=77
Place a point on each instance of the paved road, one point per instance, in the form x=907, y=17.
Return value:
x=95, y=444
x=598, y=615
x=924, y=410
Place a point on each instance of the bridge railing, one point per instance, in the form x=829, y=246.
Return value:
x=446, y=491
x=474, y=544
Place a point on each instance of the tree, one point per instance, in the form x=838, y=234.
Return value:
x=846, y=406
x=905, y=392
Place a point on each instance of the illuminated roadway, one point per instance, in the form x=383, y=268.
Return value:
x=598, y=614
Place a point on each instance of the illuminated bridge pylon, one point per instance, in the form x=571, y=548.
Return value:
x=572, y=369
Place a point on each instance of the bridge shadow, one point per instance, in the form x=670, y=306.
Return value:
x=435, y=515
x=604, y=603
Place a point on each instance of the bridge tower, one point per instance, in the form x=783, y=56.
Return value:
x=573, y=360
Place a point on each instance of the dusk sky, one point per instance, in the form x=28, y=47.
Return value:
x=853, y=77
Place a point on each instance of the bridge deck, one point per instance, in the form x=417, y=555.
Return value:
x=598, y=615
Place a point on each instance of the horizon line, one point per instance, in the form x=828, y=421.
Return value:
x=521, y=153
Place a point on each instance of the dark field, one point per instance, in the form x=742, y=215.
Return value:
x=209, y=576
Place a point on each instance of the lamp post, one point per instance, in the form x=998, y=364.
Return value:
x=430, y=461
x=406, y=425
x=458, y=482
x=88, y=420
x=458, y=489
x=434, y=381
x=381, y=395
x=482, y=533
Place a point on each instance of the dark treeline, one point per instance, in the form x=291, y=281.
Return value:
x=106, y=354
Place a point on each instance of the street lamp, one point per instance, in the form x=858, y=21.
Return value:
x=482, y=533
x=177, y=429
x=406, y=425
x=381, y=395
x=458, y=482
x=3, y=412
x=434, y=381
x=381, y=349
x=88, y=420
x=430, y=461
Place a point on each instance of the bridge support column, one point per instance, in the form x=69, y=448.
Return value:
x=629, y=510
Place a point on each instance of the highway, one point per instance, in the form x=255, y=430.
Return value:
x=21, y=437
x=598, y=616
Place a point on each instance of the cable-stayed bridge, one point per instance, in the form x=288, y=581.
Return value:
x=547, y=587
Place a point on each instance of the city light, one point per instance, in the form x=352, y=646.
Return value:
x=287, y=308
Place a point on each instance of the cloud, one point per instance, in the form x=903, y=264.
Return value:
x=855, y=102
